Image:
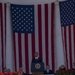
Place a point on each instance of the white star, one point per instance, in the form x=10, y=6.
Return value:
x=15, y=23
x=26, y=13
x=13, y=20
x=26, y=25
x=31, y=21
x=31, y=12
x=13, y=12
x=31, y=25
x=13, y=16
x=17, y=16
x=19, y=22
x=26, y=8
x=12, y=7
x=17, y=12
x=31, y=29
x=31, y=17
x=22, y=17
x=21, y=8
x=30, y=8
x=21, y=12
x=26, y=17
x=22, y=21
x=17, y=29
x=26, y=21
x=26, y=29
x=20, y=27
x=16, y=8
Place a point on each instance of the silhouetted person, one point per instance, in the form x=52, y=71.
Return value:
x=62, y=67
x=73, y=66
x=48, y=71
x=36, y=59
x=20, y=72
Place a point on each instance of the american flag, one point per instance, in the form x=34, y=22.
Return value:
x=67, y=14
x=33, y=30
x=2, y=35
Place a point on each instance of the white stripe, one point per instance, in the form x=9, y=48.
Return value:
x=49, y=36
x=17, y=51
x=67, y=39
x=29, y=51
x=72, y=41
x=64, y=44
x=43, y=34
x=23, y=52
x=36, y=29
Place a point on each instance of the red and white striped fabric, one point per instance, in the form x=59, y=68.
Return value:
x=69, y=45
x=2, y=34
x=41, y=41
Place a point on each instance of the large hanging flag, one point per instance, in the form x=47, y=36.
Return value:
x=33, y=30
x=67, y=13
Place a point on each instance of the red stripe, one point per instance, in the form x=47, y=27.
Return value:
x=14, y=44
x=5, y=21
x=46, y=32
x=33, y=45
x=52, y=36
x=74, y=41
x=2, y=36
x=26, y=53
x=65, y=46
x=20, y=50
x=70, y=47
x=40, y=30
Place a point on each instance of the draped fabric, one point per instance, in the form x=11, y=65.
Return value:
x=41, y=41
x=67, y=14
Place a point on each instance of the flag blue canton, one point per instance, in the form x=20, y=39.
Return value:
x=67, y=12
x=22, y=18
